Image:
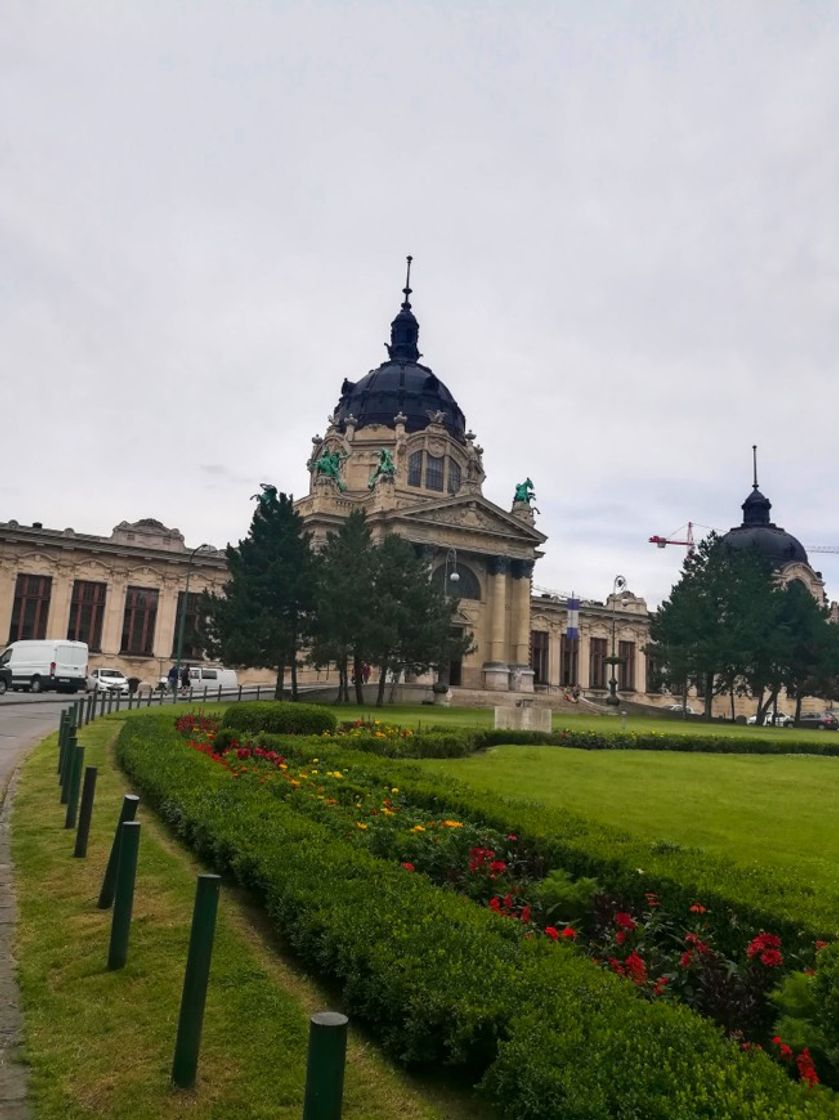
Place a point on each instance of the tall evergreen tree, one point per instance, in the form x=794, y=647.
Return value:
x=345, y=603
x=263, y=616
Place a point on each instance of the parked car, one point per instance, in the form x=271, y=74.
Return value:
x=107, y=680
x=779, y=720
x=822, y=721
x=5, y=679
x=42, y=666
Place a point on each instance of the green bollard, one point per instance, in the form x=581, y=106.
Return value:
x=67, y=767
x=85, y=812
x=196, y=977
x=325, y=1066
x=127, y=813
x=124, y=895
x=62, y=736
x=76, y=764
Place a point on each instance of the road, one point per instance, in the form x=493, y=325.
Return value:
x=24, y=721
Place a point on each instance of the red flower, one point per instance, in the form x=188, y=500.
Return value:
x=685, y=960
x=659, y=985
x=552, y=932
x=636, y=969
x=525, y=914
x=652, y=900
x=569, y=934
x=821, y=945
x=497, y=867
x=409, y=866
x=495, y=904
x=806, y=1069
x=697, y=908
x=512, y=836
x=761, y=943
x=698, y=944
x=784, y=1051
x=620, y=936
x=625, y=921
x=617, y=967
x=771, y=958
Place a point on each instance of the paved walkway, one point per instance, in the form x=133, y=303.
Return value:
x=21, y=727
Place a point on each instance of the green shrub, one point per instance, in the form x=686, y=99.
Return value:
x=279, y=717
x=562, y=898
x=442, y=980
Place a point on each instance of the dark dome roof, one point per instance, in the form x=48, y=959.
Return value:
x=400, y=384
x=778, y=546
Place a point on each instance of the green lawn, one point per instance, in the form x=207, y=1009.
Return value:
x=754, y=809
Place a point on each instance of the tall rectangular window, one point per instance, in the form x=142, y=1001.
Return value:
x=192, y=648
x=87, y=613
x=415, y=469
x=569, y=657
x=597, y=663
x=626, y=669
x=30, y=607
x=539, y=656
x=434, y=472
x=454, y=476
x=139, y=621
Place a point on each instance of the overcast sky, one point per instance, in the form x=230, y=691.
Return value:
x=625, y=225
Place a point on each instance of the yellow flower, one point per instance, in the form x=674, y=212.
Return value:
x=293, y=782
x=394, y=790
x=451, y=824
x=418, y=828
x=388, y=812
x=315, y=771
x=361, y=825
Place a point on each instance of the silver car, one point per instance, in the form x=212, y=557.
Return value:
x=107, y=680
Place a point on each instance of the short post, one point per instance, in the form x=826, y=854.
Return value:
x=196, y=978
x=257, y=691
x=76, y=764
x=148, y=702
x=62, y=736
x=127, y=813
x=239, y=697
x=67, y=768
x=124, y=895
x=219, y=694
x=325, y=1066
x=205, y=694
x=102, y=704
x=85, y=812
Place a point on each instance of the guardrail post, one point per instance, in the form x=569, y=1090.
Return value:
x=325, y=1066
x=127, y=813
x=62, y=737
x=85, y=812
x=196, y=978
x=124, y=895
x=76, y=763
x=257, y=691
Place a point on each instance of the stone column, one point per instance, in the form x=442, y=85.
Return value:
x=554, y=657
x=583, y=659
x=58, y=616
x=8, y=582
x=114, y=614
x=522, y=570
x=167, y=609
x=497, y=669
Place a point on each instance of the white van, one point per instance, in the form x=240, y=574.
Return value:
x=201, y=677
x=39, y=666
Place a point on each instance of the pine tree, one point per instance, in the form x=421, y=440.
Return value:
x=264, y=614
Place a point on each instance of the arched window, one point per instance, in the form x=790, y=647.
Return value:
x=415, y=469
x=454, y=476
x=466, y=587
x=434, y=472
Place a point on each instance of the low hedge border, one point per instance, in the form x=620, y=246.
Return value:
x=279, y=717
x=739, y=895
x=441, y=979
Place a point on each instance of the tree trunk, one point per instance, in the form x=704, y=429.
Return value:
x=343, y=687
x=798, y=700
x=294, y=694
x=733, y=709
x=380, y=696
x=358, y=673
x=709, y=696
x=278, y=687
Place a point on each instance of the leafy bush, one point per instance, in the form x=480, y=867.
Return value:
x=442, y=980
x=280, y=717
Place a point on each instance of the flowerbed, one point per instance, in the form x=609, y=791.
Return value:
x=441, y=979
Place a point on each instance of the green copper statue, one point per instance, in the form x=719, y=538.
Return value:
x=268, y=495
x=524, y=492
x=329, y=466
x=385, y=468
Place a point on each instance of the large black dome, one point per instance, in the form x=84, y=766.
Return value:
x=400, y=385
x=778, y=546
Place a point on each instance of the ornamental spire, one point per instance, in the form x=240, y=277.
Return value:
x=754, y=464
x=404, y=330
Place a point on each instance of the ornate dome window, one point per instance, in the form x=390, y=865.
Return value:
x=441, y=473
x=468, y=585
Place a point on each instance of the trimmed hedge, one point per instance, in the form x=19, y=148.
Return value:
x=441, y=979
x=279, y=717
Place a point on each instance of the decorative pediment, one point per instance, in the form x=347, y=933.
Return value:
x=476, y=514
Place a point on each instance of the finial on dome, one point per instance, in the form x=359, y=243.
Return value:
x=407, y=289
x=754, y=464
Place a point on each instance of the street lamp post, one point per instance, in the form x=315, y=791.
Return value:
x=452, y=576
x=618, y=584
x=182, y=620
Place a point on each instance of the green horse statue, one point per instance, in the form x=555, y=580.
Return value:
x=385, y=468
x=328, y=465
x=524, y=492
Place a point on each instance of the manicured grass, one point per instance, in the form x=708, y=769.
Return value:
x=771, y=811
x=100, y=1043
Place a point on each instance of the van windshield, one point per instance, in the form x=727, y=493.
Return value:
x=5, y=657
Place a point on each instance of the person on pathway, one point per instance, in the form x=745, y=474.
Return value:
x=185, y=678
x=172, y=677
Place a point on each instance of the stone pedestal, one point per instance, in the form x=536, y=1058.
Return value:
x=527, y=717
x=521, y=678
x=497, y=676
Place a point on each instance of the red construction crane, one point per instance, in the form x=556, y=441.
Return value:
x=688, y=542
